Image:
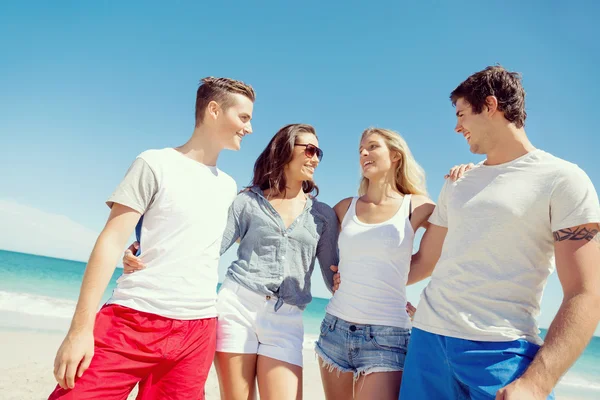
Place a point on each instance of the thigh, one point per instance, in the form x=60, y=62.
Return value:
x=183, y=375
x=281, y=334
x=237, y=375
x=278, y=380
x=336, y=385
x=378, y=385
x=427, y=375
x=236, y=331
x=486, y=367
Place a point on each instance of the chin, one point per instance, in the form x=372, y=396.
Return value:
x=367, y=174
x=234, y=146
x=476, y=150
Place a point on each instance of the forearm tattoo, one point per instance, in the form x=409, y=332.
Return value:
x=579, y=233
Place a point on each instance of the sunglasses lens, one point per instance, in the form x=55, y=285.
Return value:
x=311, y=150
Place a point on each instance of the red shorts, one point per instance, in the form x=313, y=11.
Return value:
x=169, y=358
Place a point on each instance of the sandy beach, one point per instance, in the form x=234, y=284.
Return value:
x=27, y=358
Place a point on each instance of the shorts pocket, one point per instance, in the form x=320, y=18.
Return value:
x=328, y=325
x=324, y=328
x=396, y=343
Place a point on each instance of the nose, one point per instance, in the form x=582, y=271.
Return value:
x=248, y=128
x=315, y=159
x=458, y=128
x=364, y=153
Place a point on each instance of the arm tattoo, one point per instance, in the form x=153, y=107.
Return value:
x=577, y=234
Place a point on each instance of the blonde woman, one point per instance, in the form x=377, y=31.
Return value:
x=365, y=333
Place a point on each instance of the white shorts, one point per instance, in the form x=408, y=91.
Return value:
x=249, y=324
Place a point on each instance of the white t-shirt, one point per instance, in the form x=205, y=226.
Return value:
x=374, y=266
x=499, y=249
x=184, y=206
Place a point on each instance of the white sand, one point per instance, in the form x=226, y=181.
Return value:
x=26, y=362
x=27, y=357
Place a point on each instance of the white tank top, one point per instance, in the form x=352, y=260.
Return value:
x=374, y=266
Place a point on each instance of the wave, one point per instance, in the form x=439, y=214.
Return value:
x=309, y=341
x=33, y=304
x=574, y=380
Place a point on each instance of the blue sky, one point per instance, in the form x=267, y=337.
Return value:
x=85, y=87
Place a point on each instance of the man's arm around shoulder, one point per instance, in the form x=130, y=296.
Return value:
x=76, y=351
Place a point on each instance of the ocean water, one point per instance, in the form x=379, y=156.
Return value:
x=39, y=293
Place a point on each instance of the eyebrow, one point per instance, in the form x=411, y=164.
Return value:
x=369, y=142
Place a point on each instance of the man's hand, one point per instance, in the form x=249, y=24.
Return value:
x=411, y=310
x=458, y=170
x=73, y=358
x=131, y=263
x=521, y=390
x=336, y=278
x=76, y=351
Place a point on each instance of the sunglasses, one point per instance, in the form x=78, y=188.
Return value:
x=310, y=150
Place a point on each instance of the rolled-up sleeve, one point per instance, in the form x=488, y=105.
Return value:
x=327, y=247
x=232, y=229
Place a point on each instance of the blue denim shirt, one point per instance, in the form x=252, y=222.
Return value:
x=275, y=261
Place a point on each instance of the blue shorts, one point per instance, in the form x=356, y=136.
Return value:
x=441, y=367
x=361, y=349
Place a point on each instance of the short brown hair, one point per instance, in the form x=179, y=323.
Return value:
x=494, y=81
x=269, y=169
x=219, y=90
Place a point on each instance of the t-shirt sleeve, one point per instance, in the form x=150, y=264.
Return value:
x=439, y=216
x=574, y=200
x=137, y=189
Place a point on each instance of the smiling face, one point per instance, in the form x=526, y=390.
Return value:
x=234, y=122
x=376, y=159
x=302, y=166
x=475, y=128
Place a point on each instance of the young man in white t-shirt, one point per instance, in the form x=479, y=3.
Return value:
x=159, y=327
x=498, y=229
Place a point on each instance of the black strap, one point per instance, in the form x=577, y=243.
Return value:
x=410, y=209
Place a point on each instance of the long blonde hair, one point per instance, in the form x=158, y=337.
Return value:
x=409, y=176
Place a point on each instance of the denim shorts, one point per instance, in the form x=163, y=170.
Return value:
x=361, y=349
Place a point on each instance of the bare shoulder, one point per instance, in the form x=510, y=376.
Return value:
x=422, y=208
x=418, y=200
x=342, y=207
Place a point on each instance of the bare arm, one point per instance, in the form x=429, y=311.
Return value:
x=102, y=264
x=577, y=253
x=430, y=249
x=75, y=349
x=341, y=209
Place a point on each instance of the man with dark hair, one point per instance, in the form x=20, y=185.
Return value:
x=158, y=328
x=498, y=229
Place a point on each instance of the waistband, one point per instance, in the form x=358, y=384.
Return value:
x=258, y=298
